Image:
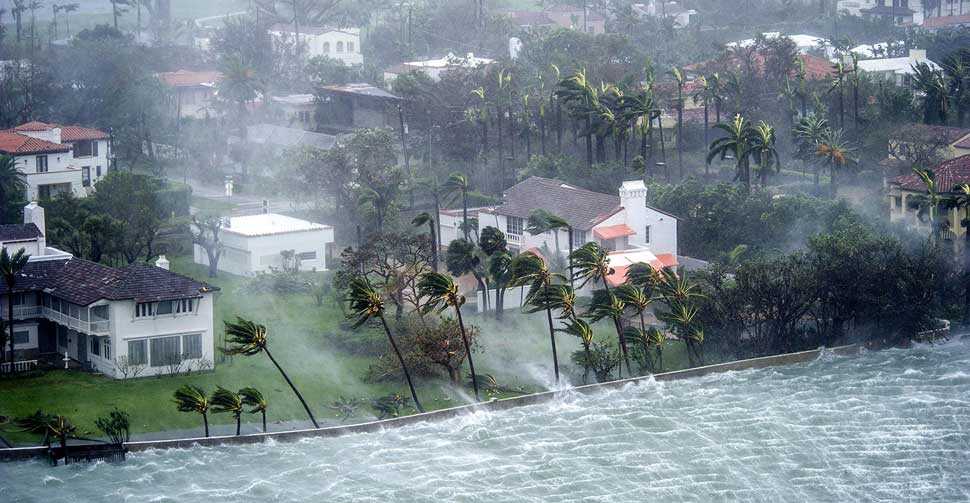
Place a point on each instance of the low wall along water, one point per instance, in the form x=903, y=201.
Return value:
x=20, y=453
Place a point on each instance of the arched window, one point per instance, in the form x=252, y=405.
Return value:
x=340, y=47
x=326, y=47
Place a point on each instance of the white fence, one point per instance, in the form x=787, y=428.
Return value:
x=21, y=366
x=514, y=299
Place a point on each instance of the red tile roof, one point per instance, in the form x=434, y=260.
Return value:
x=664, y=260
x=34, y=126
x=948, y=175
x=17, y=144
x=68, y=133
x=948, y=134
x=816, y=68
x=189, y=78
x=942, y=21
x=613, y=231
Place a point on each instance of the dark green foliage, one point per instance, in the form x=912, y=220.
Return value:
x=345, y=407
x=116, y=426
x=390, y=406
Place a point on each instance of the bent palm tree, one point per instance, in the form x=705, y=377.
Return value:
x=592, y=263
x=424, y=218
x=248, y=338
x=190, y=398
x=457, y=186
x=834, y=149
x=528, y=269
x=442, y=292
x=50, y=426
x=580, y=329
x=366, y=303
x=225, y=401
x=10, y=268
x=253, y=398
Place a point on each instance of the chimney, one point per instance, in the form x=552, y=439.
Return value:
x=162, y=262
x=34, y=214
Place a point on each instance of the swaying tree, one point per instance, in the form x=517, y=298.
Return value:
x=253, y=398
x=10, y=268
x=737, y=143
x=528, y=269
x=442, y=292
x=764, y=151
x=591, y=263
x=225, y=401
x=190, y=398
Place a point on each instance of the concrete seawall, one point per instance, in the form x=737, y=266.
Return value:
x=21, y=453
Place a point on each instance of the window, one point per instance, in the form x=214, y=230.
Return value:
x=44, y=191
x=98, y=172
x=184, y=306
x=136, y=353
x=579, y=238
x=107, y=348
x=192, y=346
x=304, y=117
x=86, y=148
x=350, y=47
x=311, y=255
x=326, y=47
x=144, y=310
x=340, y=47
x=22, y=337
x=514, y=226
x=898, y=200
x=646, y=235
x=86, y=176
x=164, y=307
x=164, y=351
x=96, y=346
x=41, y=164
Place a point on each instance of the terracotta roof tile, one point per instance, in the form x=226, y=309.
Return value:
x=613, y=231
x=948, y=175
x=77, y=133
x=33, y=126
x=188, y=78
x=942, y=21
x=12, y=143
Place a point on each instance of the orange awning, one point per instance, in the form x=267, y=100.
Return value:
x=613, y=231
x=663, y=261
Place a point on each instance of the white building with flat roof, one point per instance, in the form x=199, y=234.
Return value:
x=341, y=44
x=261, y=243
x=897, y=70
x=435, y=68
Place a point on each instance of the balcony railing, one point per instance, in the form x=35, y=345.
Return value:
x=18, y=366
x=513, y=238
x=95, y=327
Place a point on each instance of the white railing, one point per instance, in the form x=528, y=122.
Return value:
x=513, y=238
x=97, y=327
x=21, y=366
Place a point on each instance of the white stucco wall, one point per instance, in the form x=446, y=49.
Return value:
x=326, y=44
x=248, y=255
x=64, y=168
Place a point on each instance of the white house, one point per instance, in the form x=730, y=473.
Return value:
x=617, y=222
x=663, y=9
x=297, y=110
x=256, y=243
x=341, y=44
x=192, y=93
x=435, y=68
x=137, y=319
x=56, y=159
x=896, y=70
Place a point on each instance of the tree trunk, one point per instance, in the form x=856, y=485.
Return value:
x=558, y=126
x=542, y=133
x=264, y=420
x=589, y=145
x=619, y=334
x=707, y=140
x=407, y=375
x=238, y=424
x=205, y=424
x=552, y=339
x=293, y=387
x=10, y=323
x=468, y=352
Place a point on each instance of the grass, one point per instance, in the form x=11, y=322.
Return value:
x=515, y=351
x=206, y=205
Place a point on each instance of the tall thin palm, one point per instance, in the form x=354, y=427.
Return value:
x=254, y=399
x=932, y=84
x=835, y=150
x=190, y=398
x=442, y=292
x=10, y=268
x=591, y=263
x=424, y=218
x=764, y=151
x=808, y=134
x=245, y=337
x=457, y=186
x=366, y=303
x=737, y=143
x=584, y=332
x=541, y=221
x=225, y=401
x=528, y=269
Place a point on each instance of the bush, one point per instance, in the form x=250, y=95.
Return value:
x=431, y=347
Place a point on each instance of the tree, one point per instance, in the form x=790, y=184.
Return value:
x=68, y=9
x=681, y=313
x=13, y=186
x=442, y=292
x=366, y=303
x=582, y=103
x=225, y=401
x=463, y=257
x=457, y=186
x=190, y=398
x=541, y=221
x=706, y=93
x=10, y=268
x=528, y=269
x=956, y=67
x=252, y=397
x=838, y=85
x=205, y=233
x=681, y=81
x=932, y=83
x=929, y=205
x=116, y=426
x=736, y=143
x=581, y=330
x=834, y=150
x=424, y=218
x=764, y=151
x=50, y=426
x=247, y=338
x=591, y=263
x=810, y=131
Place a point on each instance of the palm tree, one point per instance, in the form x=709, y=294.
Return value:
x=640, y=110
x=591, y=263
x=224, y=400
x=736, y=142
x=808, y=134
x=764, y=151
x=956, y=67
x=442, y=292
x=366, y=303
x=457, y=186
x=190, y=398
x=50, y=426
x=480, y=114
x=932, y=83
x=929, y=204
x=541, y=221
x=584, y=332
x=838, y=85
x=581, y=98
x=681, y=315
x=680, y=80
x=253, y=398
x=528, y=269
x=68, y=9
x=11, y=267
x=13, y=184
x=247, y=338
x=424, y=218
x=834, y=149
x=707, y=94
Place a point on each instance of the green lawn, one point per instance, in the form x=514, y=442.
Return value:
x=206, y=205
x=516, y=351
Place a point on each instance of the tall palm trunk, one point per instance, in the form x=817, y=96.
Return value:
x=10, y=324
x=468, y=351
x=619, y=334
x=558, y=126
x=205, y=423
x=589, y=144
x=542, y=133
x=292, y=387
x=264, y=420
x=238, y=423
x=707, y=134
x=400, y=358
x=552, y=339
